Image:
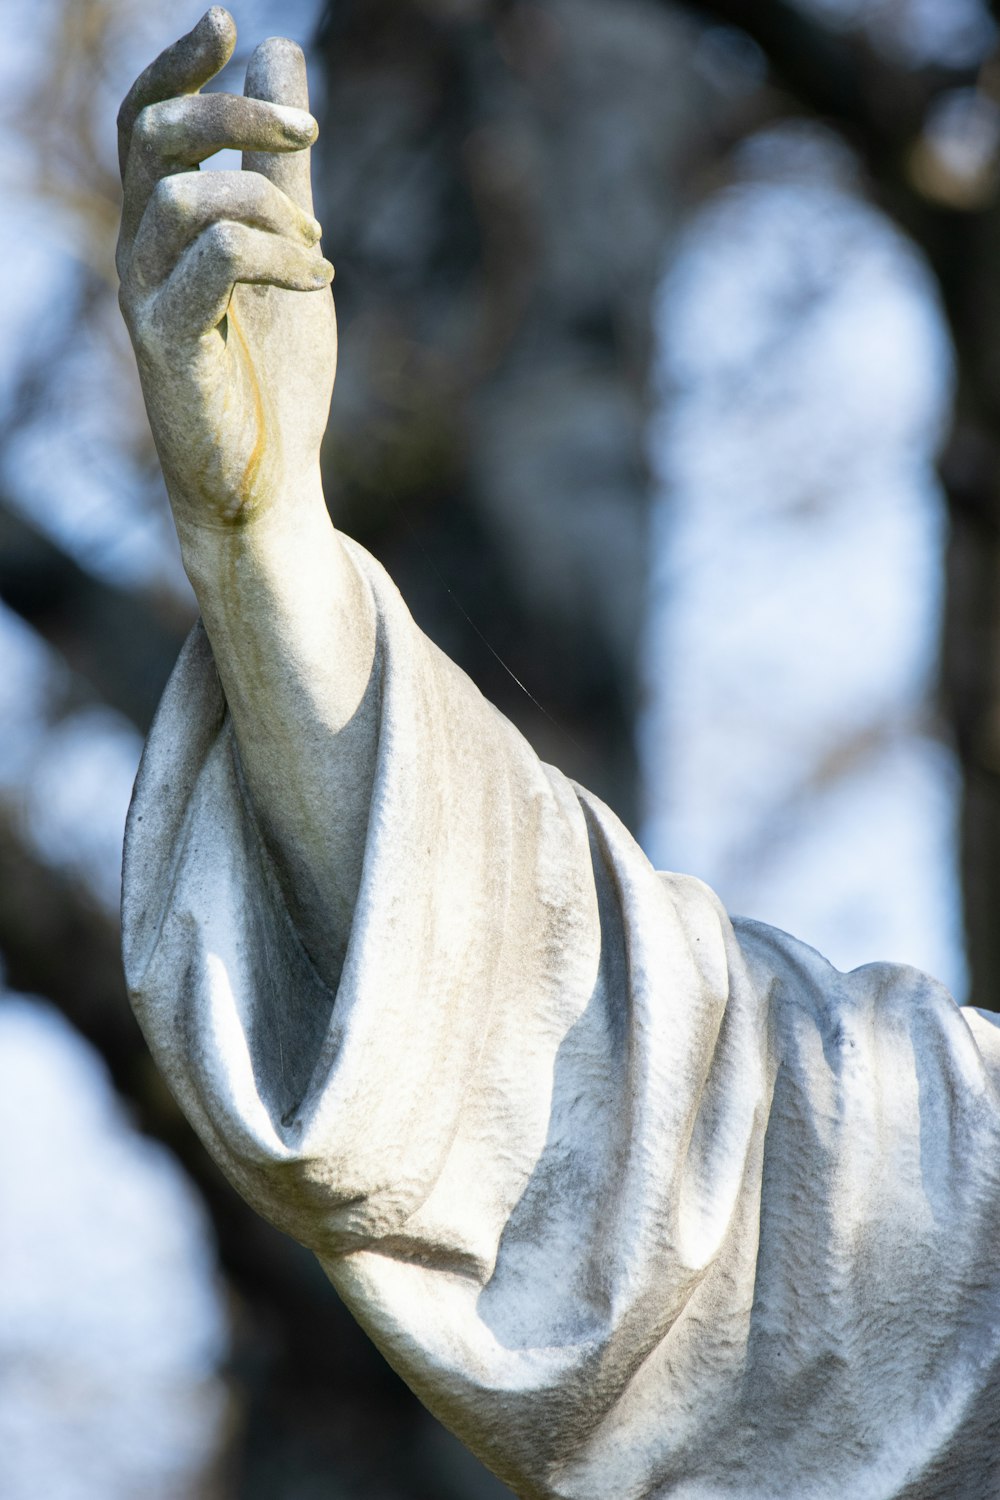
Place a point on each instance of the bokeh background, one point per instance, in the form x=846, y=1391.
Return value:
x=670, y=395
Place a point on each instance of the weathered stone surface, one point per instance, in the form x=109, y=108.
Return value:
x=639, y=1201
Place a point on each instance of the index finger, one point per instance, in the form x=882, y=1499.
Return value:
x=182, y=68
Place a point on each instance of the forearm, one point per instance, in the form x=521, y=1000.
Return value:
x=225, y=292
x=293, y=634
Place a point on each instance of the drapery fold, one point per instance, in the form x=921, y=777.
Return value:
x=639, y=1201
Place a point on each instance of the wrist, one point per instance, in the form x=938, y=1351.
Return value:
x=290, y=521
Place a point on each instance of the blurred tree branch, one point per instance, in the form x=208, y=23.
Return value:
x=122, y=643
x=309, y=1396
x=880, y=105
x=882, y=109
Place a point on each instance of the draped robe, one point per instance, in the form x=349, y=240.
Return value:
x=640, y=1201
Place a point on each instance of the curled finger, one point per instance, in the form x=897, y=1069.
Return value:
x=182, y=206
x=195, y=297
x=182, y=68
x=174, y=135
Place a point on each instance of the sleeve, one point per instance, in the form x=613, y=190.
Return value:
x=637, y=1201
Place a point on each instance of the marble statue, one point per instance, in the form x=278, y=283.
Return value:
x=640, y=1200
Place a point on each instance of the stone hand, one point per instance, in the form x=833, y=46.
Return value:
x=223, y=285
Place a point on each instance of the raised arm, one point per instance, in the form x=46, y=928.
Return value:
x=226, y=296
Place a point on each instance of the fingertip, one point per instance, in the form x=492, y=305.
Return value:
x=218, y=21
x=283, y=48
x=214, y=37
x=219, y=17
x=277, y=71
x=298, y=121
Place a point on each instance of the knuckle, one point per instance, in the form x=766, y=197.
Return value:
x=145, y=128
x=222, y=236
x=171, y=198
x=158, y=126
x=141, y=323
x=223, y=242
x=154, y=333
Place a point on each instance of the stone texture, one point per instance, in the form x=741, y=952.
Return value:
x=639, y=1202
